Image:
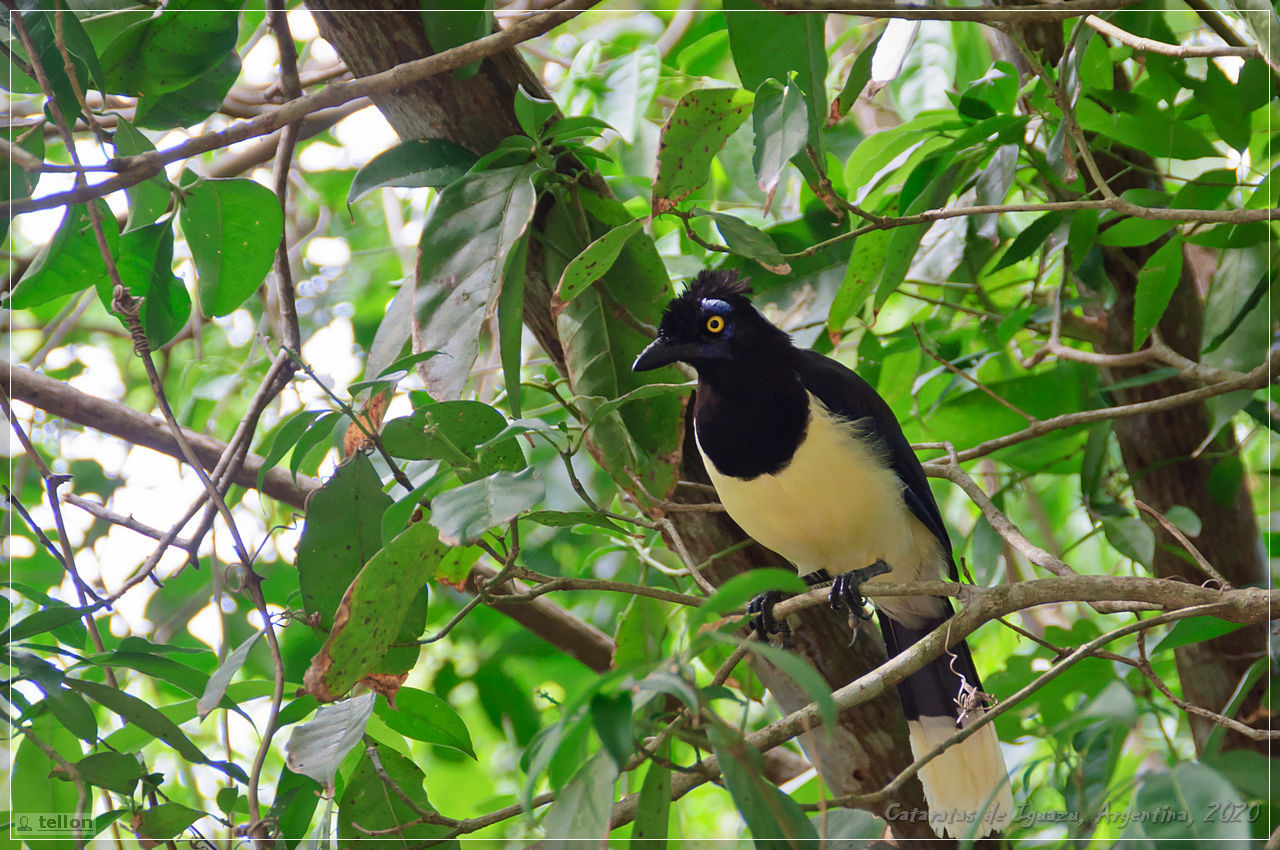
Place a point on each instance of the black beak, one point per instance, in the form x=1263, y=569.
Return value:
x=662, y=352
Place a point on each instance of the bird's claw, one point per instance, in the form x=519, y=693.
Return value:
x=846, y=591
x=763, y=623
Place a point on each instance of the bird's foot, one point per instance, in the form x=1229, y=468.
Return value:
x=846, y=591
x=763, y=623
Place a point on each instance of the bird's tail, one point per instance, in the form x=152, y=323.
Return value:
x=967, y=786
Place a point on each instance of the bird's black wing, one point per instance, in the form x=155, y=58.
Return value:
x=847, y=395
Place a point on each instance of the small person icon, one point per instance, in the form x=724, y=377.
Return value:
x=24, y=823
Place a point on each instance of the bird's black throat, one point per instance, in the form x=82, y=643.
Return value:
x=750, y=420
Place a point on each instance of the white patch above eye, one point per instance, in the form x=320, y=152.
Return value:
x=715, y=305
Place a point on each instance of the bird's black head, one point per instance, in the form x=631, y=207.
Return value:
x=713, y=324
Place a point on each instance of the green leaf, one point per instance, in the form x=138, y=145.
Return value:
x=165, y=821
x=695, y=131
x=627, y=86
x=780, y=120
x=1244, y=687
x=285, y=437
x=570, y=519
x=149, y=199
x=1156, y=282
x=30, y=787
x=423, y=716
x=193, y=102
x=463, y=251
x=582, y=808
x=384, y=604
x=169, y=50
x=611, y=715
x=217, y=685
x=316, y=748
x=451, y=431
x=596, y=259
x=904, y=241
x=511, y=321
x=148, y=661
x=145, y=265
x=1032, y=238
x=296, y=797
x=233, y=228
x=859, y=76
x=465, y=513
x=314, y=442
x=118, y=772
x=392, y=336
x=466, y=21
x=227, y=797
x=641, y=628
x=1194, y=630
x=1131, y=537
x=747, y=241
x=860, y=278
x=653, y=812
x=343, y=530
x=775, y=820
x=1201, y=794
x=70, y=262
x=142, y=715
x=1184, y=519
x=74, y=714
x=635, y=441
x=370, y=802
x=417, y=162
x=44, y=620
x=777, y=45
x=804, y=675
x=739, y=590
x=533, y=113
x=43, y=30
x=1153, y=131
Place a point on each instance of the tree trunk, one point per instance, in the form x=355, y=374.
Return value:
x=870, y=746
x=1157, y=450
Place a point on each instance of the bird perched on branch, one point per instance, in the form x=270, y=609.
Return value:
x=810, y=461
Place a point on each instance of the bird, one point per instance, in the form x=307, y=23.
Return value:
x=810, y=461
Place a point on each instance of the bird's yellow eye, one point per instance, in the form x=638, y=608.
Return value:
x=715, y=324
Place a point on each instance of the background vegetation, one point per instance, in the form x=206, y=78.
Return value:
x=334, y=510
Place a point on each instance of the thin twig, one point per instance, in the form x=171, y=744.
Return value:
x=1186, y=544
x=1181, y=51
x=286, y=296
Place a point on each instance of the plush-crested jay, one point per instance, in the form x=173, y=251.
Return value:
x=810, y=461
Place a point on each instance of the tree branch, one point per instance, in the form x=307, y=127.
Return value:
x=134, y=169
x=118, y=420
x=1053, y=11
x=1181, y=51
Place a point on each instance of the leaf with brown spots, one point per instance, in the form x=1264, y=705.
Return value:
x=596, y=259
x=694, y=133
x=343, y=530
x=385, y=604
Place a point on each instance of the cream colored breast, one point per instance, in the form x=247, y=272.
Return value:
x=836, y=506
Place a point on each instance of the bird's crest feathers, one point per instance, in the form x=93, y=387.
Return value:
x=722, y=284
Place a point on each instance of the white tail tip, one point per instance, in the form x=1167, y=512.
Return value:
x=967, y=786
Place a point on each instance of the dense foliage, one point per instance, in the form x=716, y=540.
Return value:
x=434, y=550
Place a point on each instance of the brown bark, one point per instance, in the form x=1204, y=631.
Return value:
x=1157, y=449
x=870, y=746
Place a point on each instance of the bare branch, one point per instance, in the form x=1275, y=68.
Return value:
x=1051, y=11
x=118, y=420
x=1181, y=51
x=1255, y=379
